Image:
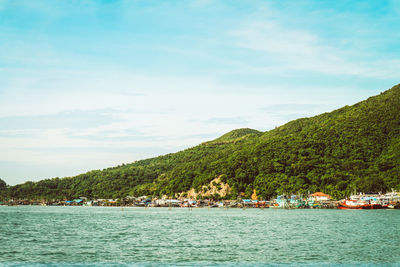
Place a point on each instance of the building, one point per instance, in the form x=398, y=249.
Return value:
x=319, y=196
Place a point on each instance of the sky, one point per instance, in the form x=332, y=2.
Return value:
x=92, y=84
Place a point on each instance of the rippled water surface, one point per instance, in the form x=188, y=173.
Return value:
x=82, y=236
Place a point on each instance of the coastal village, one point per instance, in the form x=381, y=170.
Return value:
x=216, y=195
x=317, y=200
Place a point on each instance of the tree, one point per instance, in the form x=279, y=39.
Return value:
x=3, y=185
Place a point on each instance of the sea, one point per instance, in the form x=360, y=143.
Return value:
x=115, y=236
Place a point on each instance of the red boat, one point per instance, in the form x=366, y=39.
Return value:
x=353, y=205
x=359, y=205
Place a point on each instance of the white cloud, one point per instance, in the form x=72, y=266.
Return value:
x=298, y=50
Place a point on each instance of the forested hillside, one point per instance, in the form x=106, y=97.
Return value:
x=353, y=148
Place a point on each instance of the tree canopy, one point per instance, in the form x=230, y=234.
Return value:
x=3, y=185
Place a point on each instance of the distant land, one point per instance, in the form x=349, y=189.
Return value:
x=354, y=148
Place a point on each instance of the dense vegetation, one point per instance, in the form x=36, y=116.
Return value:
x=3, y=189
x=355, y=148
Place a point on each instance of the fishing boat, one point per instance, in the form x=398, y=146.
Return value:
x=349, y=204
x=189, y=203
x=281, y=202
x=261, y=204
x=394, y=205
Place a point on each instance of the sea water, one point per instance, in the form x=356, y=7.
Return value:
x=106, y=236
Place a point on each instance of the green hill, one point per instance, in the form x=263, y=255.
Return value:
x=353, y=148
x=235, y=136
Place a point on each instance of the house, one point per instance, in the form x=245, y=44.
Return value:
x=319, y=196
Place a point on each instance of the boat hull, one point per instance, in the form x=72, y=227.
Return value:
x=361, y=207
x=353, y=205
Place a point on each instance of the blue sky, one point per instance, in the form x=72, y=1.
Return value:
x=92, y=84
